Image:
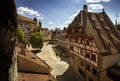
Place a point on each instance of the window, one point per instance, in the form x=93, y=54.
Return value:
x=90, y=79
x=82, y=52
x=82, y=41
x=76, y=40
x=87, y=42
x=87, y=54
x=88, y=67
x=93, y=57
x=81, y=72
x=21, y=24
x=69, y=31
x=71, y=48
x=81, y=29
x=69, y=40
x=94, y=71
x=81, y=63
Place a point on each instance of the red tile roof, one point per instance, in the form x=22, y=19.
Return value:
x=31, y=63
x=33, y=77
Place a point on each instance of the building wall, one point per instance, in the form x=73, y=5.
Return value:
x=74, y=62
x=78, y=62
x=104, y=77
x=26, y=25
x=80, y=67
x=13, y=71
x=110, y=60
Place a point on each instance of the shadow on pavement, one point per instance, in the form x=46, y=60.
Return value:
x=68, y=75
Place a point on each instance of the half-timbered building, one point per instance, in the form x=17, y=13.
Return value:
x=94, y=45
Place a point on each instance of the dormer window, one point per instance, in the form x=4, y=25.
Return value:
x=105, y=41
x=107, y=44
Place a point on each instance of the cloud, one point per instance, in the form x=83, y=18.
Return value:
x=95, y=6
x=41, y=17
x=70, y=19
x=29, y=11
x=106, y=0
x=50, y=23
x=74, y=15
x=96, y=1
x=68, y=22
x=61, y=26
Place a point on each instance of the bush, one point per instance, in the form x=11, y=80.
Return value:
x=20, y=35
x=36, y=40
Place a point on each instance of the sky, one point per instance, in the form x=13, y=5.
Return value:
x=60, y=13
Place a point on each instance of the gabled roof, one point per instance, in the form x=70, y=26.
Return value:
x=100, y=27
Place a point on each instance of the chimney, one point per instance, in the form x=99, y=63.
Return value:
x=84, y=16
x=85, y=8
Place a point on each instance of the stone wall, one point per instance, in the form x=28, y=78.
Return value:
x=13, y=71
x=8, y=24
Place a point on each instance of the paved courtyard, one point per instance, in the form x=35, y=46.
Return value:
x=59, y=69
x=48, y=55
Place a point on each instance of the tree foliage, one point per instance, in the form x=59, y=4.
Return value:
x=36, y=40
x=20, y=35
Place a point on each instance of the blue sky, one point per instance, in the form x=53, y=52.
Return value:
x=59, y=13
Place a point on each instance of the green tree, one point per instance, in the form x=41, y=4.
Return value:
x=36, y=40
x=20, y=35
